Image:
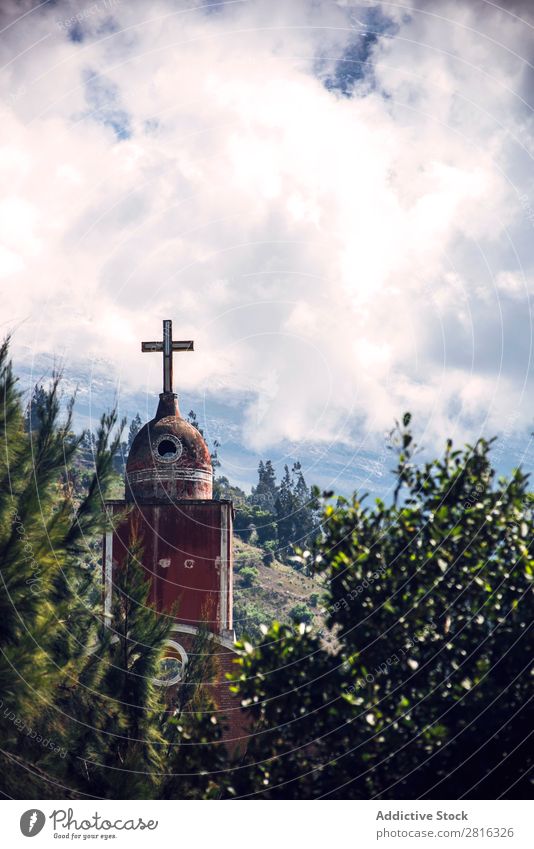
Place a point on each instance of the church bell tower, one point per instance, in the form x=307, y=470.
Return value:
x=185, y=535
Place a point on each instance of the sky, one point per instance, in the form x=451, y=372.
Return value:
x=335, y=200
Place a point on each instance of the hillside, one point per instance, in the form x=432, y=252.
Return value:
x=274, y=592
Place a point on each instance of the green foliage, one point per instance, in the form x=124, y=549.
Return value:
x=248, y=619
x=47, y=622
x=276, y=517
x=223, y=489
x=296, y=512
x=301, y=613
x=132, y=661
x=195, y=756
x=269, y=551
x=249, y=575
x=265, y=493
x=35, y=404
x=431, y=602
x=252, y=522
x=133, y=430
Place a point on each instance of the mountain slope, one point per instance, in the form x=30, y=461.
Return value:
x=273, y=594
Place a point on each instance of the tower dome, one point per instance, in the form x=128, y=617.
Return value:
x=169, y=458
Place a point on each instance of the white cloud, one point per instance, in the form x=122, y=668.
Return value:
x=327, y=253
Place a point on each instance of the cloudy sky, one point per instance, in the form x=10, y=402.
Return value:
x=335, y=200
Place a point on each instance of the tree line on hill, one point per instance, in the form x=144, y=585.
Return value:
x=426, y=695
x=278, y=517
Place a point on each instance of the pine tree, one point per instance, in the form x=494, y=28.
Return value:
x=46, y=622
x=86, y=449
x=266, y=492
x=284, y=512
x=192, y=419
x=31, y=415
x=305, y=505
x=296, y=510
x=135, y=427
x=133, y=759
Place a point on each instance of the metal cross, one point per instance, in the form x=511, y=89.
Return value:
x=167, y=347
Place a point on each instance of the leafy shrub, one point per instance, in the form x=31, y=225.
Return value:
x=249, y=575
x=248, y=617
x=430, y=598
x=301, y=613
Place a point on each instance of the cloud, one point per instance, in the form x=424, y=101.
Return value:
x=342, y=246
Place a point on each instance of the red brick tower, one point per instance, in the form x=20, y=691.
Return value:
x=186, y=536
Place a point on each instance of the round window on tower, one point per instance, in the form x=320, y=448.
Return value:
x=167, y=448
x=172, y=666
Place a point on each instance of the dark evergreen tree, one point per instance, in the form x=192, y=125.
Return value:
x=31, y=415
x=284, y=513
x=305, y=507
x=87, y=448
x=296, y=512
x=135, y=427
x=193, y=419
x=266, y=491
x=47, y=621
x=132, y=761
x=222, y=488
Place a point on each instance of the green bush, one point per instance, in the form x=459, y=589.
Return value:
x=248, y=617
x=430, y=600
x=245, y=559
x=269, y=550
x=301, y=613
x=249, y=575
